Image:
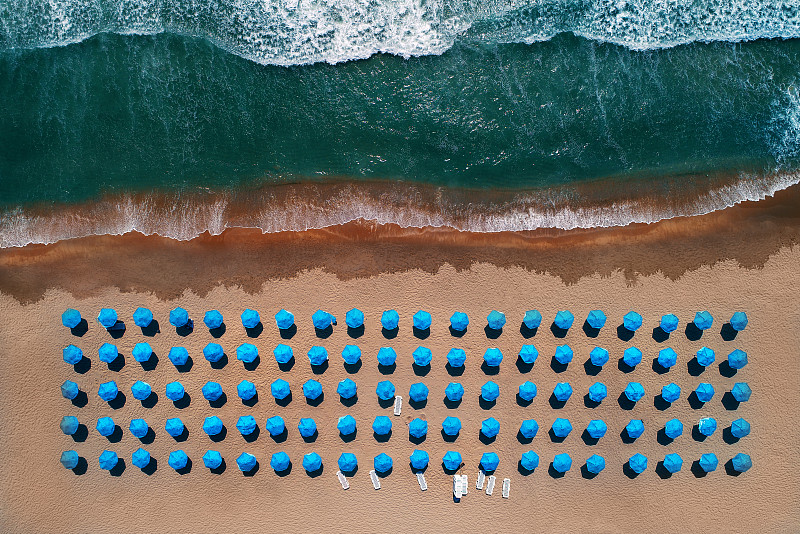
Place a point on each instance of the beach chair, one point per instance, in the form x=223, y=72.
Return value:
x=457, y=486
x=490, y=485
x=343, y=480
x=464, y=485
x=506, y=487
x=423, y=484
x=398, y=405
x=481, y=479
x=376, y=483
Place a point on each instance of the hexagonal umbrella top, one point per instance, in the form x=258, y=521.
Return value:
x=527, y=391
x=69, y=389
x=634, y=391
x=346, y=425
x=72, y=354
x=212, y=425
x=741, y=391
x=276, y=426
x=596, y=428
x=634, y=428
x=387, y=356
x=496, y=320
x=178, y=317
x=141, y=390
x=246, y=390
x=385, y=390
x=250, y=318
x=71, y=318
x=317, y=355
x=142, y=352
x=354, y=318
x=390, y=319
x=673, y=463
x=563, y=354
x=213, y=352
x=451, y=426
x=382, y=425
x=561, y=427
x=284, y=320
x=528, y=354
x=451, y=460
x=562, y=392
x=347, y=389
x=108, y=460
x=596, y=319
x=598, y=356
x=454, y=391
x=246, y=425
x=529, y=460
x=174, y=427
x=351, y=354
x=418, y=427
x=738, y=321
x=707, y=426
x=70, y=459
x=704, y=391
x=382, y=463
x=175, y=391
x=637, y=463
x=562, y=462
x=741, y=462
x=246, y=353
x=212, y=459
x=418, y=392
x=490, y=391
x=456, y=357
x=529, y=428
x=422, y=320
x=322, y=319
x=708, y=462
x=178, y=460
x=283, y=353
x=632, y=356
x=212, y=319
x=142, y=318
x=419, y=459
x=107, y=317
x=280, y=389
x=532, y=319
x=490, y=427
x=347, y=462
x=703, y=320
x=312, y=389
x=212, y=391
x=492, y=357
x=422, y=356
x=489, y=461
x=246, y=462
x=598, y=392
x=740, y=428
x=312, y=462
x=108, y=391
x=669, y=323
x=178, y=356
x=673, y=428
x=107, y=352
x=737, y=359
x=306, y=427
x=595, y=463
x=667, y=357
x=670, y=392
x=705, y=356
x=69, y=424
x=138, y=428
x=632, y=321
x=564, y=319
x=459, y=321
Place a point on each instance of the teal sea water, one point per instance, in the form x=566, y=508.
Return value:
x=177, y=117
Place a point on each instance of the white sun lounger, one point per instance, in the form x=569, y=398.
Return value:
x=376, y=483
x=506, y=487
x=423, y=484
x=481, y=478
x=398, y=405
x=457, y=486
x=343, y=480
x=490, y=485
x=464, y=485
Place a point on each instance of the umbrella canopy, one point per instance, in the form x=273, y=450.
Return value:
x=563, y=354
x=347, y=462
x=246, y=462
x=70, y=459
x=737, y=359
x=284, y=320
x=346, y=389
x=561, y=427
x=595, y=464
x=634, y=428
x=250, y=318
x=451, y=426
x=322, y=319
x=708, y=462
x=422, y=320
x=142, y=352
x=418, y=427
x=529, y=460
x=634, y=391
x=283, y=353
x=107, y=352
x=596, y=319
x=528, y=354
x=419, y=459
x=496, y=320
x=306, y=427
x=212, y=426
x=108, y=391
x=385, y=390
x=564, y=320
x=740, y=391
x=346, y=425
x=312, y=389
x=456, y=357
x=632, y=321
x=422, y=356
x=174, y=427
x=382, y=425
x=418, y=392
x=107, y=317
x=312, y=462
x=317, y=355
x=280, y=389
x=598, y=392
x=705, y=356
x=738, y=321
x=598, y=356
x=707, y=426
x=71, y=318
x=671, y=392
x=246, y=353
x=562, y=391
x=632, y=356
x=562, y=462
x=454, y=391
x=704, y=391
x=451, y=460
x=141, y=390
x=490, y=427
x=740, y=428
x=667, y=357
x=72, y=354
x=178, y=317
x=212, y=391
x=493, y=357
x=390, y=319
x=703, y=320
x=351, y=354
x=673, y=428
x=69, y=389
x=489, y=461
x=354, y=318
x=212, y=319
x=596, y=428
x=246, y=390
x=276, y=426
x=386, y=356
x=69, y=424
x=637, y=463
x=741, y=462
x=178, y=356
x=212, y=459
x=669, y=323
x=138, y=428
x=246, y=425
x=175, y=391
x=142, y=318
x=527, y=391
x=673, y=463
x=490, y=391
x=108, y=460
x=382, y=463
x=459, y=321
x=213, y=352
x=532, y=319
x=529, y=428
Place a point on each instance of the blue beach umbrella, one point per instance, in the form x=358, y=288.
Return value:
x=740, y=428
x=634, y=428
x=418, y=392
x=528, y=354
x=741, y=392
x=456, y=357
x=178, y=317
x=490, y=427
x=108, y=391
x=386, y=356
x=669, y=323
x=529, y=428
x=178, y=356
x=704, y=391
x=632, y=321
x=598, y=392
x=385, y=390
x=284, y=320
x=673, y=428
x=705, y=356
x=707, y=426
x=250, y=318
x=596, y=319
x=283, y=353
x=138, y=428
x=741, y=462
x=312, y=389
x=527, y=391
x=562, y=463
x=489, y=461
x=175, y=391
x=422, y=320
x=496, y=320
x=638, y=463
x=564, y=320
x=73, y=355
x=306, y=427
x=317, y=355
x=245, y=462
x=70, y=459
x=279, y=462
x=141, y=390
x=673, y=463
x=459, y=321
x=738, y=321
x=174, y=427
x=108, y=460
x=312, y=462
x=490, y=391
x=280, y=389
x=212, y=319
x=493, y=357
x=598, y=356
x=212, y=391
x=346, y=425
x=390, y=319
x=671, y=392
x=419, y=459
x=246, y=390
x=213, y=352
x=71, y=318
x=532, y=319
x=347, y=389
x=422, y=356
x=354, y=318
x=708, y=462
x=107, y=317
x=142, y=318
x=347, y=462
x=107, y=352
x=595, y=463
x=561, y=427
x=634, y=391
x=351, y=354
x=632, y=356
x=563, y=354
x=322, y=319
x=529, y=460
x=276, y=426
x=703, y=320
x=142, y=352
x=69, y=424
x=382, y=425
x=451, y=426
x=418, y=427
x=212, y=426
x=737, y=359
x=667, y=357
x=451, y=460
x=212, y=459
x=562, y=392
x=596, y=428
x=246, y=353
x=246, y=425
x=69, y=389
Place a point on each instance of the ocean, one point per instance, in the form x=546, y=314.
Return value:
x=178, y=117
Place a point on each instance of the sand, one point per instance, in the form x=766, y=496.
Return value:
x=38, y=495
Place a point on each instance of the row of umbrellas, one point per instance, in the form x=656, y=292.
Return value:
x=322, y=320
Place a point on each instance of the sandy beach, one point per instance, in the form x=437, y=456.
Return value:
x=740, y=259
